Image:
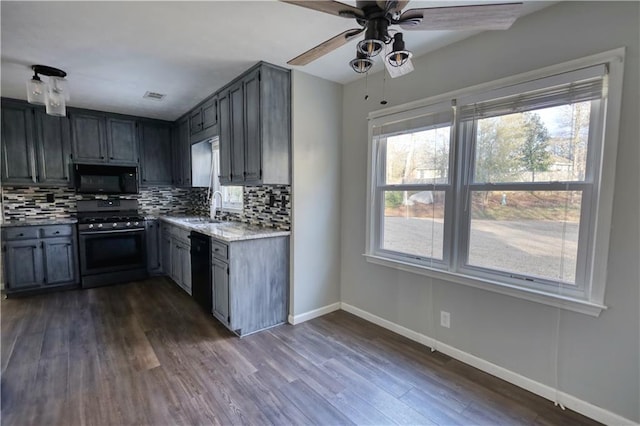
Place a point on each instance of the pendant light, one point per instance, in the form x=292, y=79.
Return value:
x=399, y=55
x=375, y=38
x=53, y=95
x=362, y=63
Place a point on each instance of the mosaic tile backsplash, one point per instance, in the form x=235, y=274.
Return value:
x=24, y=203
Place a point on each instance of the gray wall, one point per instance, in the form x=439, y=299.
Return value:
x=599, y=359
x=315, y=241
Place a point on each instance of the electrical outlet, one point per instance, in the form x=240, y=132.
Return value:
x=445, y=319
x=50, y=198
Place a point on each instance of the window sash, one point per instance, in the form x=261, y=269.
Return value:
x=596, y=204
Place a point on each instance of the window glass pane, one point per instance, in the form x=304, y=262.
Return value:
x=413, y=223
x=542, y=145
x=232, y=197
x=419, y=157
x=532, y=233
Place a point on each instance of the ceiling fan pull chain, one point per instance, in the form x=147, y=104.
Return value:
x=384, y=81
x=366, y=86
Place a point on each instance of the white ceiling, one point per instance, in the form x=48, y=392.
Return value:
x=113, y=52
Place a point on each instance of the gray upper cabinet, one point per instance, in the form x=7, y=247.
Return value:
x=155, y=153
x=182, y=154
x=203, y=120
x=122, y=143
x=103, y=138
x=36, y=147
x=224, y=137
x=53, y=149
x=236, y=103
x=255, y=127
x=18, y=162
x=89, y=137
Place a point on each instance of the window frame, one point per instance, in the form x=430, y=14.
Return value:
x=596, y=189
x=216, y=186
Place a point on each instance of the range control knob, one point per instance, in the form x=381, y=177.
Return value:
x=135, y=223
x=99, y=225
x=128, y=223
x=90, y=225
x=114, y=225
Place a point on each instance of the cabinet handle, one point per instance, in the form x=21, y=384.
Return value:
x=110, y=158
x=217, y=249
x=21, y=235
x=102, y=158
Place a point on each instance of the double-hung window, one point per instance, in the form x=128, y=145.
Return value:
x=502, y=187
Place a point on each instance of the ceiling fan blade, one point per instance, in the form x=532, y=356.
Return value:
x=392, y=6
x=331, y=7
x=473, y=17
x=325, y=47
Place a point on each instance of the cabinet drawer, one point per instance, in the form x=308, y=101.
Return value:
x=21, y=233
x=56, y=231
x=219, y=250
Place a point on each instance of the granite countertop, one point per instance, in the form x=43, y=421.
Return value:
x=223, y=230
x=39, y=222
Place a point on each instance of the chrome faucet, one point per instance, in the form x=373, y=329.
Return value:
x=213, y=206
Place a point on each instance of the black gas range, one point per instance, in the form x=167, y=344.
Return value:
x=112, y=242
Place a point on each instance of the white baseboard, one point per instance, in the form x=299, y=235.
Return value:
x=297, y=319
x=567, y=400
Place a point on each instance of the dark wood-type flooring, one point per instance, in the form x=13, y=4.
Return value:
x=145, y=353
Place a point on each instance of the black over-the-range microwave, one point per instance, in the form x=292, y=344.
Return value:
x=105, y=179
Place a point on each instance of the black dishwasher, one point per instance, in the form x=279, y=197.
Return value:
x=201, y=269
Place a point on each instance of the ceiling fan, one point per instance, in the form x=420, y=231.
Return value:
x=376, y=17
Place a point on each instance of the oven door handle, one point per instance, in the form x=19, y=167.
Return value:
x=111, y=231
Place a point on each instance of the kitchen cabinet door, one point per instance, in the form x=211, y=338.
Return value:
x=23, y=264
x=176, y=263
x=210, y=113
x=155, y=149
x=53, y=148
x=88, y=135
x=224, y=121
x=184, y=145
x=122, y=141
x=185, y=257
x=221, y=291
x=195, y=121
x=165, y=247
x=236, y=104
x=18, y=165
x=152, y=236
x=253, y=137
x=59, y=260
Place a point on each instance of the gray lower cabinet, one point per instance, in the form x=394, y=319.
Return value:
x=250, y=283
x=38, y=257
x=176, y=255
x=154, y=259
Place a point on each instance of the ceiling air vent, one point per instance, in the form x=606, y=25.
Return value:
x=154, y=95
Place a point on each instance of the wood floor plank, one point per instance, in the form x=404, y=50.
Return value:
x=145, y=353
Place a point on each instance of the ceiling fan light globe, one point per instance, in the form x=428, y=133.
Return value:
x=370, y=47
x=398, y=58
x=36, y=91
x=361, y=65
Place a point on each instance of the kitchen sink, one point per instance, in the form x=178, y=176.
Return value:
x=201, y=220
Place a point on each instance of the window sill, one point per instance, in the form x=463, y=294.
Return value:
x=559, y=301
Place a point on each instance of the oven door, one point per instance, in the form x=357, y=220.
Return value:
x=112, y=251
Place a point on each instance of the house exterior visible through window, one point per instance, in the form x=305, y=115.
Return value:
x=504, y=186
x=232, y=196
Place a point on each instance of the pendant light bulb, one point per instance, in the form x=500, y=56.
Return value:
x=36, y=91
